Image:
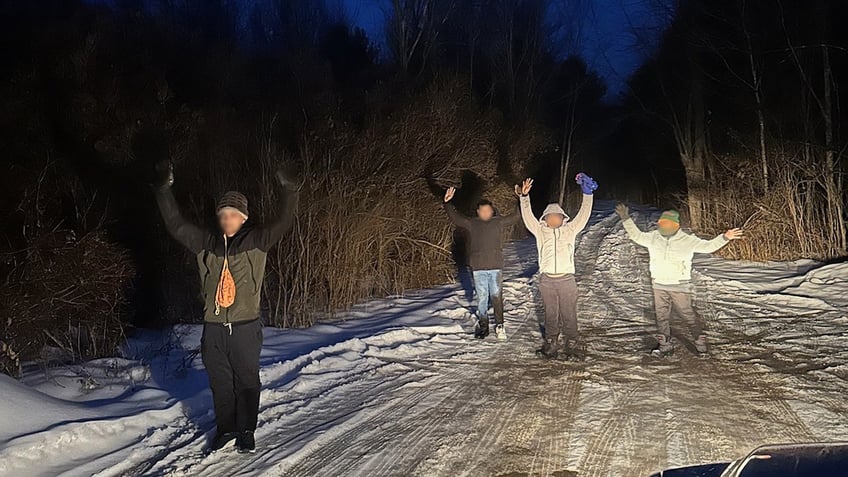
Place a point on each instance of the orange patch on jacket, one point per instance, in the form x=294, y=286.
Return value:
x=225, y=295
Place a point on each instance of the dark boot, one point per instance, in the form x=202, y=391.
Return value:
x=574, y=349
x=482, y=329
x=246, y=443
x=549, y=348
x=665, y=346
x=221, y=440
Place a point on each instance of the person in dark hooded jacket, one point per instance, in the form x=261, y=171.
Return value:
x=231, y=262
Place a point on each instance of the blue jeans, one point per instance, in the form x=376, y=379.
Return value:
x=487, y=284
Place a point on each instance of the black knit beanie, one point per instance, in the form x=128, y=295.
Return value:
x=233, y=200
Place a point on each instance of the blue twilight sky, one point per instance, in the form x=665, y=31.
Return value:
x=615, y=35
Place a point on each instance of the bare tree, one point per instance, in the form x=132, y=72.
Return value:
x=413, y=31
x=519, y=39
x=823, y=102
x=752, y=79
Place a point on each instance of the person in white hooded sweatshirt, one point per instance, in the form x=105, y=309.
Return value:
x=555, y=236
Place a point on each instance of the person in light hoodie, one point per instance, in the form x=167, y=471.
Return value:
x=671, y=251
x=555, y=236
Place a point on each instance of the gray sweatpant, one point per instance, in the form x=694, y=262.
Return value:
x=667, y=302
x=559, y=294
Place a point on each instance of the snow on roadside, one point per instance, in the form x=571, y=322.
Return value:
x=122, y=416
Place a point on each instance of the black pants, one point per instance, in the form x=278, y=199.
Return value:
x=232, y=362
x=559, y=294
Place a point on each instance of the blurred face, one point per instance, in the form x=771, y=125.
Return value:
x=485, y=212
x=230, y=221
x=554, y=221
x=668, y=231
x=667, y=228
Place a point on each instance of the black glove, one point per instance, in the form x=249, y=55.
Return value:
x=163, y=174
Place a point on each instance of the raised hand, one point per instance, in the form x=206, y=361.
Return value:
x=449, y=194
x=525, y=187
x=588, y=184
x=734, y=234
x=622, y=211
x=164, y=174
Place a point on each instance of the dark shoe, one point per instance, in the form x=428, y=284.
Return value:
x=222, y=440
x=574, y=349
x=549, y=348
x=482, y=329
x=246, y=443
x=665, y=346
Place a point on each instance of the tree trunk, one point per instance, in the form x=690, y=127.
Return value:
x=756, y=87
x=694, y=157
x=834, y=179
x=696, y=180
x=567, y=146
x=761, y=120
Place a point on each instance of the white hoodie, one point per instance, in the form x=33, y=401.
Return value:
x=671, y=258
x=556, y=246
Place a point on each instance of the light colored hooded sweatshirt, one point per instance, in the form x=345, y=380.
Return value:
x=671, y=257
x=556, y=246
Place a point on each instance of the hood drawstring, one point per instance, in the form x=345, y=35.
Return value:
x=229, y=327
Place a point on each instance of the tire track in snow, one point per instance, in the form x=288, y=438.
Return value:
x=270, y=445
x=558, y=397
x=597, y=456
x=333, y=453
x=415, y=443
x=490, y=440
x=495, y=412
x=414, y=429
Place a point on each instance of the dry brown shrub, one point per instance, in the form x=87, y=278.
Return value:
x=64, y=300
x=64, y=293
x=789, y=222
x=369, y=221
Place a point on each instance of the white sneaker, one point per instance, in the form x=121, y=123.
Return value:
x=500, y=332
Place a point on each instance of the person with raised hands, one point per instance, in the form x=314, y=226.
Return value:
x=555, y=236
x=485, y=237
x=231, y=261
x=671, y=251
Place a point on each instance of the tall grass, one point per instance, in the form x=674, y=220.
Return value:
x=793, y=219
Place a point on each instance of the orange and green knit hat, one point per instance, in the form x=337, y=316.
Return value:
x=669, y=221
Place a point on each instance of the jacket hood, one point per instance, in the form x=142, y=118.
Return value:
x=554, y=209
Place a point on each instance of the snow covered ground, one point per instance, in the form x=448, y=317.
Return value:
x=401, y=389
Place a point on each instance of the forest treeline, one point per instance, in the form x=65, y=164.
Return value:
x=735, y=117
x=746, y=95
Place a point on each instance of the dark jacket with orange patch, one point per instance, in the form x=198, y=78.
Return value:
x=247, y=252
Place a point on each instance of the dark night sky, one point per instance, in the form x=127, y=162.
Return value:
x=615, y=35
x=608, y=40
